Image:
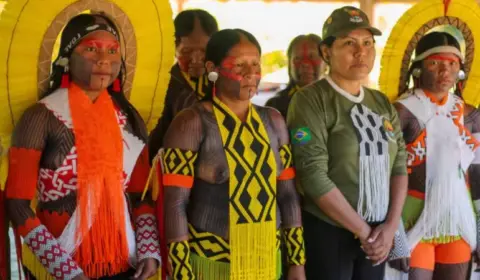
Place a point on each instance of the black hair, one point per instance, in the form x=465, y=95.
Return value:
x=429, y=41
x=185, y=23
x=69, y=32
x=222, y=42
x=312, y=37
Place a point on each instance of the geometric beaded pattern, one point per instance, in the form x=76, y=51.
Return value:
x=179, y=253
x=147, y=237
x=56, y=260
x=295, y=245
x=179, y=162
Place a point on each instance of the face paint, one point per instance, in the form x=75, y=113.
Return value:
x=242, y=79
x=306, y=63
x=440, y=57
x=93, y=74
x=110, y=46
x=439, y=73
x=190, y=52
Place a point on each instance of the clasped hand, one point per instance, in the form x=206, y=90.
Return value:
x=378, y=243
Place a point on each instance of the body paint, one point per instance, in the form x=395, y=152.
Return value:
x=100, y=44
x=83, y=71
x=305, y=64
x=236, y=77
x=443, y=58
x=306, y=59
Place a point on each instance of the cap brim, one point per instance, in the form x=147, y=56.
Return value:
x=345, y=32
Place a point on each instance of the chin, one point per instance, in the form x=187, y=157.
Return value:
x=244, y=96
x=358, y=76
x=195, y=73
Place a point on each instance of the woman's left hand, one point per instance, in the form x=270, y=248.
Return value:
x=146, y=268
x=296, y=272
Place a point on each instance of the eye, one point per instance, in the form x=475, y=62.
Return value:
x=91, y=49
x=368, y=43
x=113, y=51
x=349, y=43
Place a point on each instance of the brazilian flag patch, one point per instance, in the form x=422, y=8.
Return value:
x=300, y=135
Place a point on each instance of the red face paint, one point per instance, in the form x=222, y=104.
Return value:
x=183, y=62
x=100, y=44
x=443, y=58
x=228, y=69
x=305, y=57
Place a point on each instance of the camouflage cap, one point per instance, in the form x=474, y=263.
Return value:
x=346, y=19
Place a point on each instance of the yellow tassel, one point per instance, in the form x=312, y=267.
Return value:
x=206, y=269
x=34, y=266
x=151, y=175
x=4, y=145
x=253, y=251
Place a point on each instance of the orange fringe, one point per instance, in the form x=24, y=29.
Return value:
x=98, y=139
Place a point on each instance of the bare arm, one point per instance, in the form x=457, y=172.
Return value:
x=28, y=143
x=182, y=142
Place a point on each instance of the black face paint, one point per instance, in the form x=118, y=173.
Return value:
x=89, y=75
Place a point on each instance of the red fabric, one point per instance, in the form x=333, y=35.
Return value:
x=161, y=224
x=65, y=81
x=4, y=239
x=23, y=171
x=116, y=85
x=140, y=173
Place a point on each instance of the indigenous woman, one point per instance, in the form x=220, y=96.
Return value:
x=305, y=66
x=228, y=176
x=350, y=157
x=440, y=131
x=188, y=84
x=81, y=153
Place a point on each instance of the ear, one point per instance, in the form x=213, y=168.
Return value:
x=209, y=66
x=325, y=52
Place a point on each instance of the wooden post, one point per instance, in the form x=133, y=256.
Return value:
x=180, y=5
x=368, y=6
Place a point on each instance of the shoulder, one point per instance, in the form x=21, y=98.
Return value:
x=191, y=114
x=472, y=115
x=311, y=94
x=37, y=111
x=273, y=115
x=377, y=95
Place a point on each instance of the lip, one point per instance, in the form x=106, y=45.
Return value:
x=360, y=65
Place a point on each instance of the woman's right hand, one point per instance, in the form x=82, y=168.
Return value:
x=81, y=277
x=400, y=264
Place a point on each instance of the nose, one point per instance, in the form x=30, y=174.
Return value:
x=198, y=57
x=360, y=50
x=102, y=58
x=445, y=67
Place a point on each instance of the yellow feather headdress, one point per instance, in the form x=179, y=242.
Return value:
x=29, y=33
x=416, y=22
